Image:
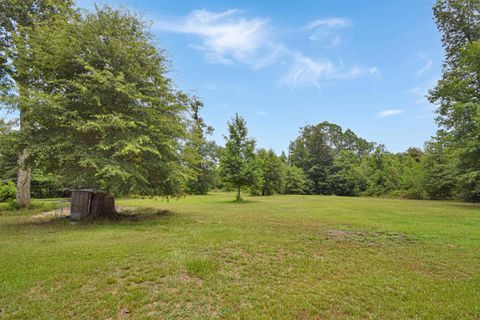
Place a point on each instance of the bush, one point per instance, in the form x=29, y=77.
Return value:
x=7, y=190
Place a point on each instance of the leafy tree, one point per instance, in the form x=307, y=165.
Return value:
x=316, y=149
x=198, y=152
x=458, y=92
x=213, y=152
x=19, y=21
x=382, y=171
x=439, y=169
x=238, y=164
x=271, y=171
x=295, y=181
x=412, y=174
x=459, y=23
x=347, y=178
x=283, y=157
x=109, y=117
x=415, y=153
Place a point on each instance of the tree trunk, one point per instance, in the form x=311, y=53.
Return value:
x=238, y=194
x=24, y=179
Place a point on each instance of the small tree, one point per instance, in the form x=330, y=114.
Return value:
x=237, y=163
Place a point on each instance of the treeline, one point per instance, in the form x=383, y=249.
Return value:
x=324, y=159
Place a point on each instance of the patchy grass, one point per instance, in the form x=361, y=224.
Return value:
x=201, y=267
x=280, y=257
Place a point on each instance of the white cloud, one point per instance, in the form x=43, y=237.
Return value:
x=428, y=65
x=389, y=113
x=308, y=72
x=356, y=72
x=262, y=113
x=330, y=23
x=227, y=36
x=325, y=30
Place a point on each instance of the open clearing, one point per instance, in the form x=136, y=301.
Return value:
x=280, y=257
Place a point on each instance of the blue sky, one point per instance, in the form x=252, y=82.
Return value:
x=365, y=65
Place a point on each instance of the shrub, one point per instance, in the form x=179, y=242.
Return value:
x=7, y=190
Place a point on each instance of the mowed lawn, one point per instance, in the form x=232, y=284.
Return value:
x=279, y=257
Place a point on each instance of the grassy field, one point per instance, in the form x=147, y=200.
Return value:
x=279, y=257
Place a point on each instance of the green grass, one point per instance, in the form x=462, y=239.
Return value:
x=279, y=257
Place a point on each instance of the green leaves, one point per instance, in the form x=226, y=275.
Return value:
x=317, y=149
x=108, y=117
x=200, y=155
x=237, y=163
x=271, y=173
x=458, y=92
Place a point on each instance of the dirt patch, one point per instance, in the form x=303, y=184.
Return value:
x=368, y=237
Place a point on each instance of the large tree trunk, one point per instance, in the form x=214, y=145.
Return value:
x=24, y=179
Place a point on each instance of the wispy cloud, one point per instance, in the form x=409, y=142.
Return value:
x=325, y=30
x=330, y=23
x=389, y=113
x=306, y=71
x=427, y=66
x=230, y=37
x=356, y=72
x=262, y=113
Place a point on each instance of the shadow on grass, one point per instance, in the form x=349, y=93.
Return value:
x=234, y=201
x=136, y=215
x=128, y=216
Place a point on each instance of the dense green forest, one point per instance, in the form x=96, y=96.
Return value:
x=91, y=104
